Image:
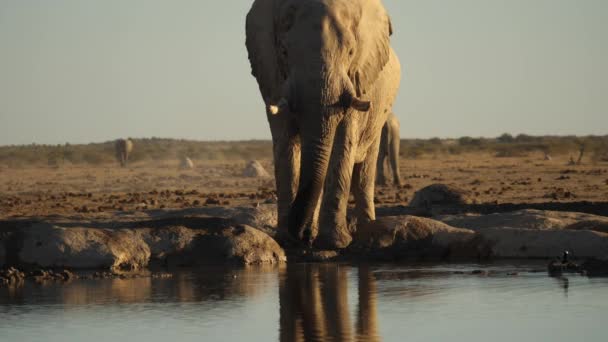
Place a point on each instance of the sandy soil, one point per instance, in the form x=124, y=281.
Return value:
x=91, y=191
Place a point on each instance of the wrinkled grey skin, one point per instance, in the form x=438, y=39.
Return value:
x=389, y=148
x=123, y=150
x=328, y=78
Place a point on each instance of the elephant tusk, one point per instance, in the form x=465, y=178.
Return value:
x=279, y=107
x=274, y=110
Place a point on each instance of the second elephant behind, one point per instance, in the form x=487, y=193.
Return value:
x=389, y=149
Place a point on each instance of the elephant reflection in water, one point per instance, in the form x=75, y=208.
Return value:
x=314, y=304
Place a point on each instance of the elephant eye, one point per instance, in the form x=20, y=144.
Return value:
x=351, y=52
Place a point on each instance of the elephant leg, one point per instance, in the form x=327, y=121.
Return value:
x=335, y=302
x=314, y=226
x=286, y=153
x=302, y=316
x=289, y=304
x=367, y=315
x=333, y=228
x=380, y=172
x=393, y=155
x=313, y=311
x=363, y=185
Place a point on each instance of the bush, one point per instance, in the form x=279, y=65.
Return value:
x=506, y=138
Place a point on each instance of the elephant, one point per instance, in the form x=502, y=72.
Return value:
x=328, y=78
x=313, y=304
x=389, y=148
x=124, y=147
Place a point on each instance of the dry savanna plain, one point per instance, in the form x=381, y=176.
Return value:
x=57, y=183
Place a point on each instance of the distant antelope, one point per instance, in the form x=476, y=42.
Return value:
x=124, y=147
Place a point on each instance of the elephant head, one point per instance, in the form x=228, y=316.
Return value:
x=316, y=60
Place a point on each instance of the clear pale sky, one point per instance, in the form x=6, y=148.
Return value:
x=86, y=71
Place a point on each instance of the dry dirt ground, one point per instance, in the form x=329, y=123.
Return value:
x=102, y=190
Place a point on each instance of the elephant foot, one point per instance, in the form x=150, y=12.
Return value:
x=337, y=238
x=286, y=240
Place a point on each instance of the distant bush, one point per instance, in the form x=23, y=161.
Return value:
x=158, y=149
x=506, y=138
x=468, y=141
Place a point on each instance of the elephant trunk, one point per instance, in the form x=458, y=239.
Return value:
x=322, y=111
x=314, y=163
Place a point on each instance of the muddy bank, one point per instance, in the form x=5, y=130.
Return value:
x=180, y=238
x=245, y=235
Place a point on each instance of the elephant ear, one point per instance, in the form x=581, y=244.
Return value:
x=262, y=48
x=373, y=50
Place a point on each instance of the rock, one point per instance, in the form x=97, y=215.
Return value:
x=529, y=219
x=162, y=275
x=38, y=273
x=598, y=225
x=535, y=243
x=557, y=267
x=170, y=240
x=263, y=216
x=41, y=276
x=240, y=244
x=595, y=267
x=324, y=256
x=440, y=194
x=247, y=245
x=494, y=237
x=67, y=275
x=537, y=233
x=255, y=169
x=212, y=201
x=186, y=164
x=2, y=253
x=411, y=236
x=46, y=245
x=11, y=277
x=316, y=256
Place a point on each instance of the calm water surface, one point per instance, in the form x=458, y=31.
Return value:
x=307, y=302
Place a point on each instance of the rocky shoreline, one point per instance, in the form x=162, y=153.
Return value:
x=59, y=248
x=13, y=277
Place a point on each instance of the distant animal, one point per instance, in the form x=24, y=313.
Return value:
x=389, y=148
x=186, y=164
x=557, y=266
x=124, y=147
